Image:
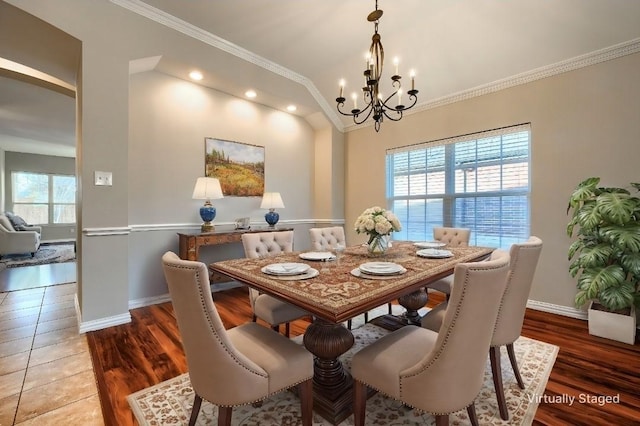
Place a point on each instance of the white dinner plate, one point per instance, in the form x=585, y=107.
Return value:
x=356, y=272
x=317, y=255
x=285, y=268
x=434, y=253
x=311, y=273
x=382, y=268
x=429, y=244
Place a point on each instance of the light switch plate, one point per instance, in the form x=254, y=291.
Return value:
x=103, y=178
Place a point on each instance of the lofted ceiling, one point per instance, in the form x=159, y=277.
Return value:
x=296, y=51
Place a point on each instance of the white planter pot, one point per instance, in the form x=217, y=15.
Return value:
x=613, y=326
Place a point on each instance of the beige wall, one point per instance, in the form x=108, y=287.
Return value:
x=584, y=123
x=328, y=190
x=169, y=119
x=127, y=226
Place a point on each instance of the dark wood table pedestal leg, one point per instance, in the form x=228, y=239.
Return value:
x=412, y=302
x=332, y=385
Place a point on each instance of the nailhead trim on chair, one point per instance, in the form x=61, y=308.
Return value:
x=439, y=353
x=198, y=277
x=261, y=399
x=452, y=326
x=437, y=356
x=215, y=333
x=514, y=260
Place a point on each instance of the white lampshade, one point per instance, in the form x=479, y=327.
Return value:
x=207, y=189
x=272, y=200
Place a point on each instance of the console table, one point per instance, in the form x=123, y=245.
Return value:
x=189, y=244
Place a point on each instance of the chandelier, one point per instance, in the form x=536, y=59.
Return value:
x=375, y=105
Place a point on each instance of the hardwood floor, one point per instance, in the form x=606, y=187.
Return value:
x=147, y=351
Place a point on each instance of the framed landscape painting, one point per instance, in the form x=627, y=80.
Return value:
x=238, y=166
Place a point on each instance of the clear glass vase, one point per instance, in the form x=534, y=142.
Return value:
x=378, y=245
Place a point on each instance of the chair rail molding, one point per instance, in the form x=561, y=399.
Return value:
x=101, y=232
x=221, y=225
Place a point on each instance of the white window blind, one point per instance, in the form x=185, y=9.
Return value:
x=478, y=181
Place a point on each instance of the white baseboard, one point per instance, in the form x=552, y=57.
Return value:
x=85, y=326
x=148, y=301
x=566, y=311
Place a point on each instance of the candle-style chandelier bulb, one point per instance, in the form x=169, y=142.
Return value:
x=376, y=105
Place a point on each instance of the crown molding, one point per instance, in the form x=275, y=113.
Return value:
x=170, y=21
x=607, y=54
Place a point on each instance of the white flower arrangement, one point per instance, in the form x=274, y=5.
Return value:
x=376, y=222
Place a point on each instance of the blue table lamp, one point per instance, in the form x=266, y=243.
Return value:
x=207, y=189
x=272, y=201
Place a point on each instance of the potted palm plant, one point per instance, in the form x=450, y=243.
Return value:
x=605, y=257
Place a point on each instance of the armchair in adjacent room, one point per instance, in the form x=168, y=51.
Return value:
x=13, y=241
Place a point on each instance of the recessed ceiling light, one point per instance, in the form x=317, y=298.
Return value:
x=291, y=108
x=195, y=75
x=250, y=94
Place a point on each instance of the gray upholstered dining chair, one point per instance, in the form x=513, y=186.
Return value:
x=524, y=260
x=453, y=237
x=242, y=365
x=327, y=238
x=443, y=372
x=265, y=307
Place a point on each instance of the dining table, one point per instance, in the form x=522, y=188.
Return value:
x=336, y=289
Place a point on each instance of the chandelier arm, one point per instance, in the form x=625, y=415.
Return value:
x=412, y=96
x=384, y=103
x=355, y=116
x=399, y=112
x=352, y=114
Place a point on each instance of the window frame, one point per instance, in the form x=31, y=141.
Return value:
x=50, y=203
x=447, y=214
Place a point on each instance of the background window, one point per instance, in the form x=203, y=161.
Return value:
x=478, y=181
x=42, y=199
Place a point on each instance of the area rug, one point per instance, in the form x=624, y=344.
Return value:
x=170, y=402
x=47, y=253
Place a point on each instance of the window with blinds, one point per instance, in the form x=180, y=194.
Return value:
x=478, y=181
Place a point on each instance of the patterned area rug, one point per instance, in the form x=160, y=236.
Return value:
x=47, y=253
x=170, y=402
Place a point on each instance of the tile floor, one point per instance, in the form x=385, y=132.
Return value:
x=46, y=375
